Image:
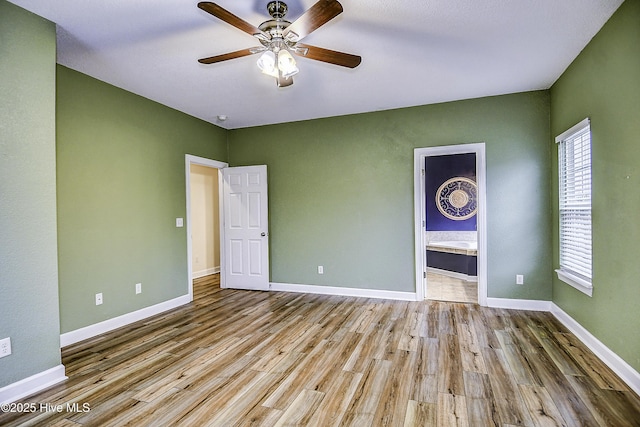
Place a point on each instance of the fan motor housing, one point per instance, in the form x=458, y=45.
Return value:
x=277, y=9
x=274, y=27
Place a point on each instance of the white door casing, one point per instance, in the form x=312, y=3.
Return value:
x=246, y=237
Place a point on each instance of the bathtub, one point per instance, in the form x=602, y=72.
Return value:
x=453, y=244
x=456, y=256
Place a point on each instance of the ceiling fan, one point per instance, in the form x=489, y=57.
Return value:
x=280, y=38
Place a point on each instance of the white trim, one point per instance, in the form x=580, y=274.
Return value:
x=629, y=375
x=347, y=292
x=32, y=384
x=206, y=272
x=419, y=215
x=91, y=331
x=481, y=178
x=519, y=304
x=419, y=155
x=202, y=161
x=573, y=130
x=580, y=284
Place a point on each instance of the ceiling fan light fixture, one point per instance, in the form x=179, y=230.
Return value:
x=286, y=64
x=279, y=38
x=267, y=63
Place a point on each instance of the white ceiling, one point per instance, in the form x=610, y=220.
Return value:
x=414, y=52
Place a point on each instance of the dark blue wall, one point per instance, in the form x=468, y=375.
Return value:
x=438, y=169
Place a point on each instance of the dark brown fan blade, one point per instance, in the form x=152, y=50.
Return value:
x=226, y=56
x=328, y=55
x=230, y=18
x=315, y=17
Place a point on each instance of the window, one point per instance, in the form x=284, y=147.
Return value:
x=574, y=165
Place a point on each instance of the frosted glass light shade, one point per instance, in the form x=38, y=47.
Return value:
x=267, y=63
x=287, y=64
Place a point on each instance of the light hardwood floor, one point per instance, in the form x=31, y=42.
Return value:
x=241, y=358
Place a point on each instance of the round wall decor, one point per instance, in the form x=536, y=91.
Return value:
x=457, y=198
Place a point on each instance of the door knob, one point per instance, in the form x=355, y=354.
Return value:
x=263, y=234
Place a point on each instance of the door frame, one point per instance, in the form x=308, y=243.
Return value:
x=419, y=156
x=202, y=161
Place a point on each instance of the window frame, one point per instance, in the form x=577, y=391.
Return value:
x=574, y=279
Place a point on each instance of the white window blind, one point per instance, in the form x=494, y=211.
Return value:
x=574, y=155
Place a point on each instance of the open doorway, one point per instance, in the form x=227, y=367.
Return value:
x=450, y=218
x=205, y=221
x=203, y=218
x=451, y=227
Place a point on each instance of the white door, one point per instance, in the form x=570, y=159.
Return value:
x=246, y=239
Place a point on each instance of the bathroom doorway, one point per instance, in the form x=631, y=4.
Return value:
x=451, y=203
x=451, y=223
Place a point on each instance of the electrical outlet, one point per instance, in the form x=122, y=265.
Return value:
x=138, y=288
x=99, y=298
x=519, y=279
x=5, y=347
x=320, y=269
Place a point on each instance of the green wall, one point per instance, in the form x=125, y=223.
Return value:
x=341, y=191
x=603, y=83
x=28, y=258
x=121, y=185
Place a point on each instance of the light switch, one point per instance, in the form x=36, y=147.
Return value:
x=179, y=222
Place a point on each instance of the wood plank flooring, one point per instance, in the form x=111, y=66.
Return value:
x=241, y=358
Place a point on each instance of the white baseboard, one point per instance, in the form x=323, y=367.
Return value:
x=347, y=292
x=91, y=331
x=612, y=360
x=32, y=384
x=207, y=272
x=519, y=304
